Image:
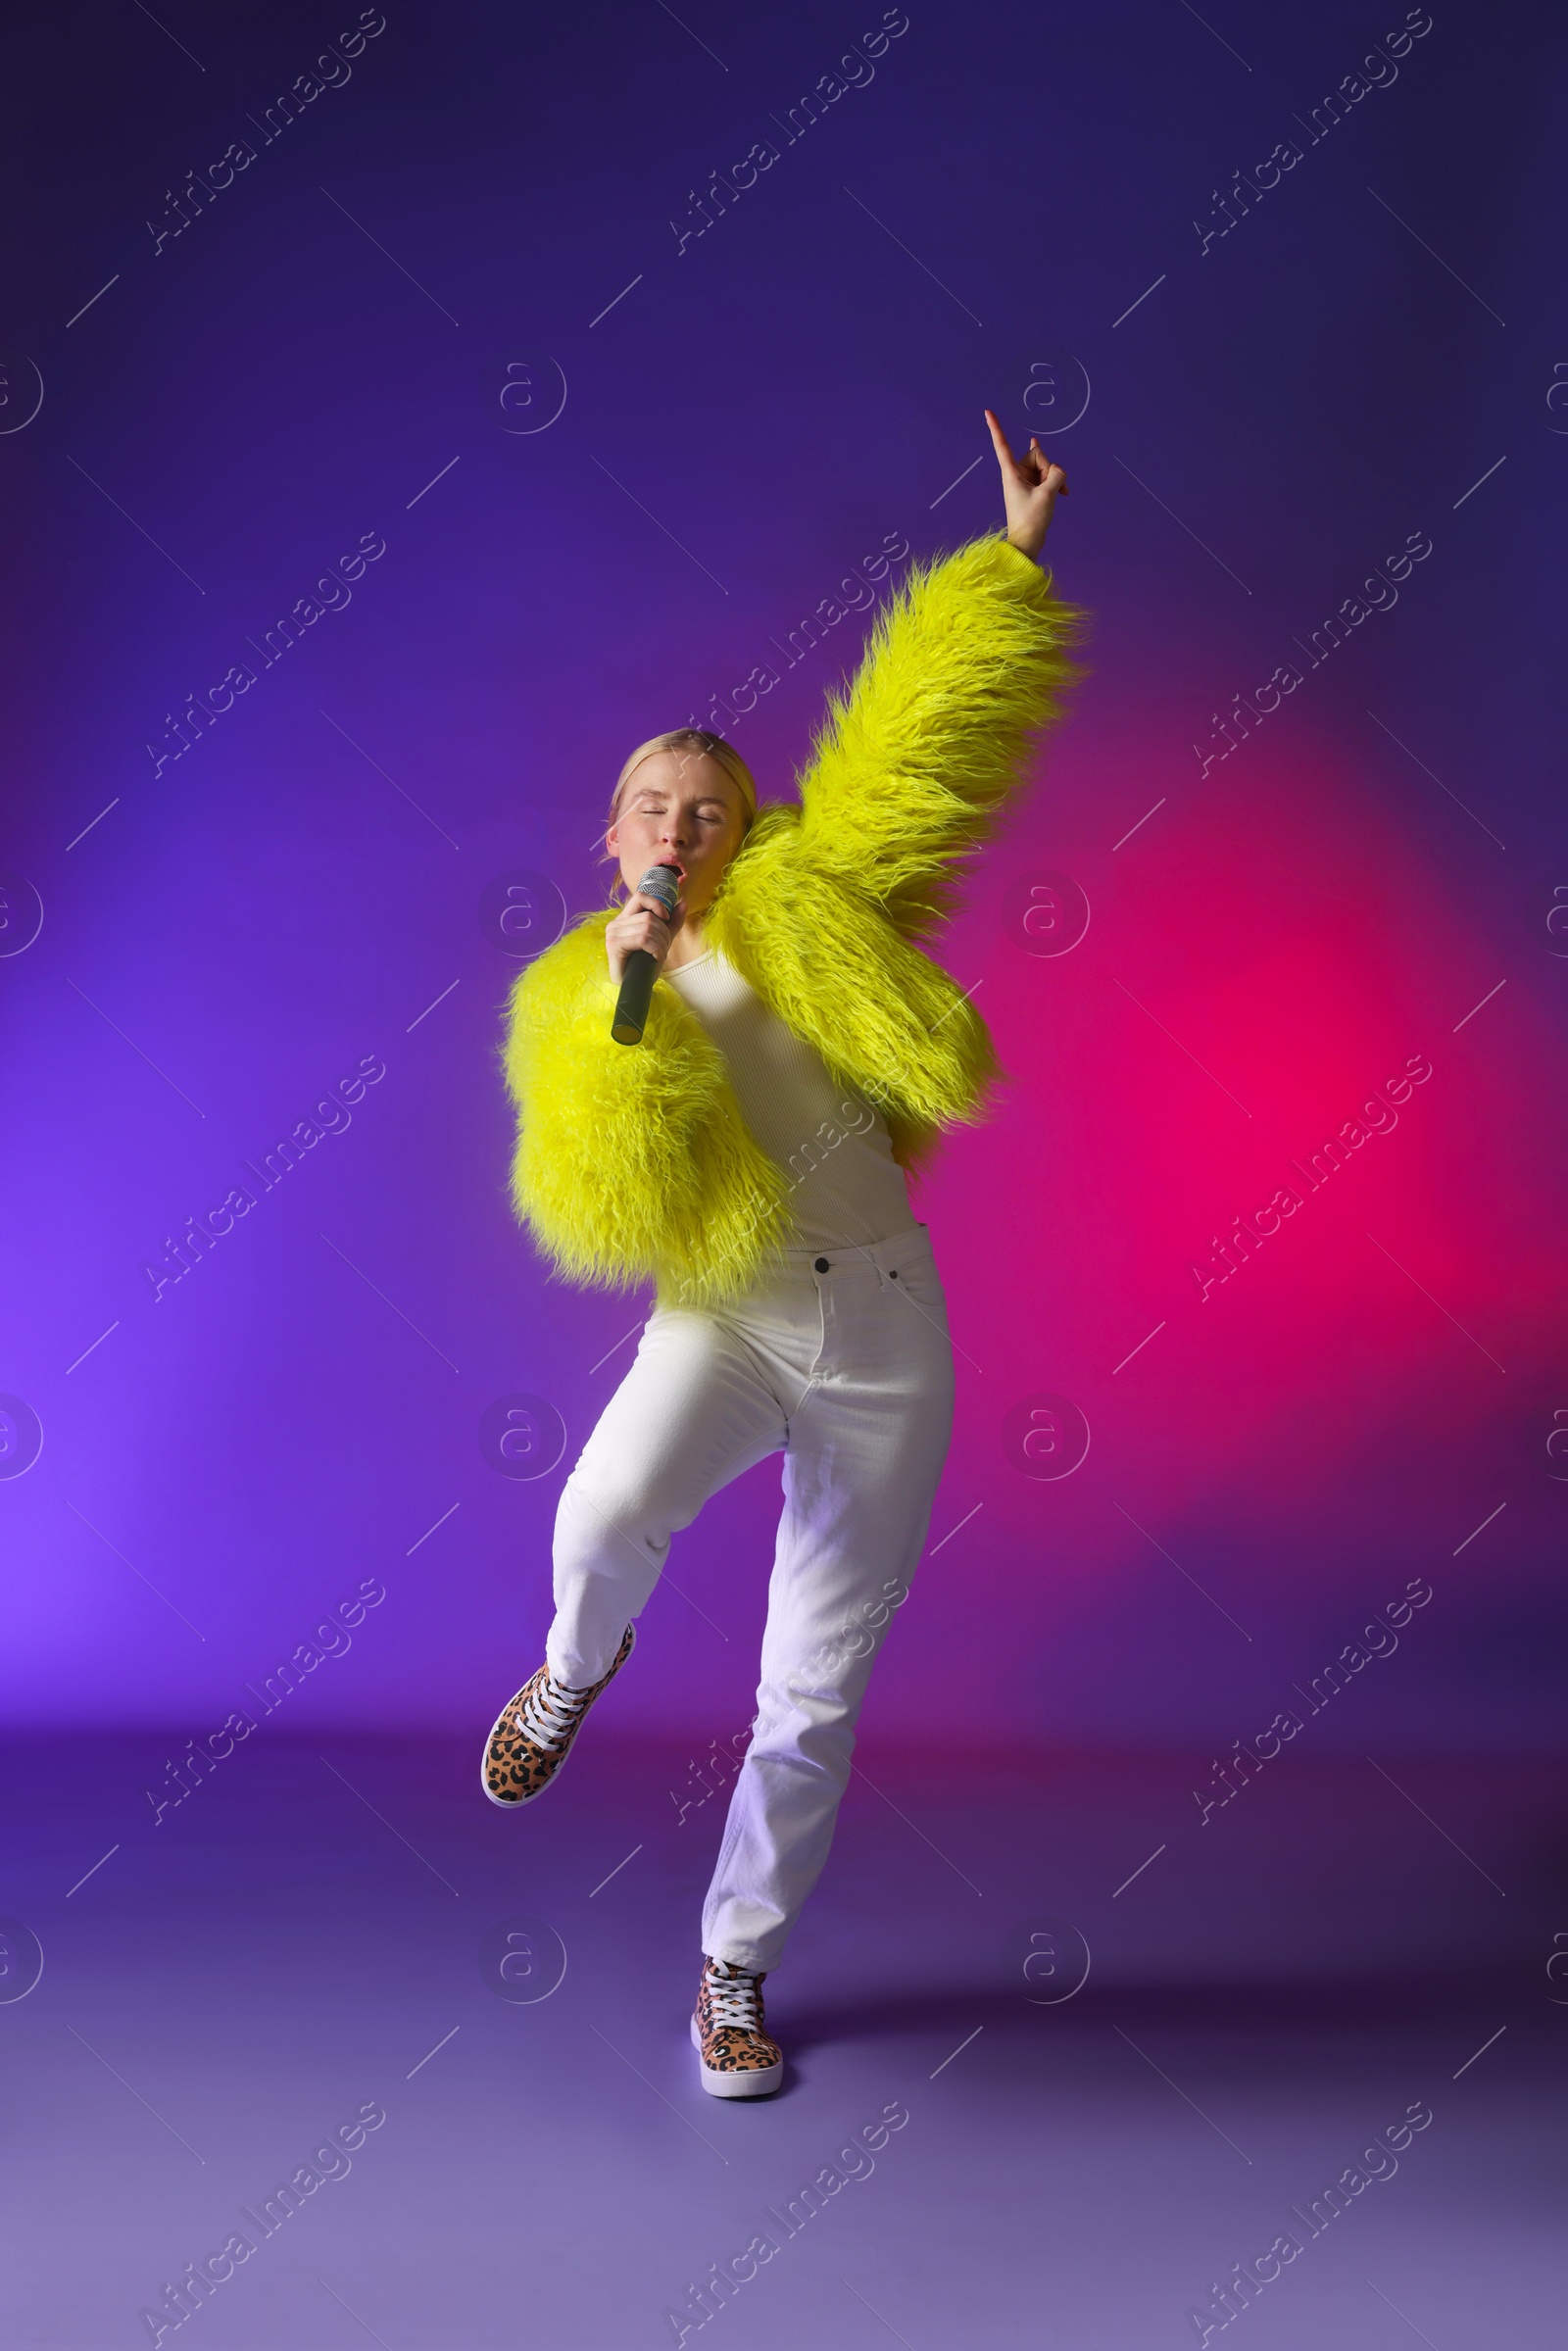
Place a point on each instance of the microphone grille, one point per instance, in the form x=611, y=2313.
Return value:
x=661, y=882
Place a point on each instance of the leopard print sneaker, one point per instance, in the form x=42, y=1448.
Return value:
x=533, y=1735
x=738, y=2059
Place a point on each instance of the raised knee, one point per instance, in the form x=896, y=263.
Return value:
x=595, y=1507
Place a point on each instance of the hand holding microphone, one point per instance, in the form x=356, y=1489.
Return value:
x=637, y=943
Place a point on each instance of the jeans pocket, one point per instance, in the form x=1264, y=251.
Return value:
x=921, y=1285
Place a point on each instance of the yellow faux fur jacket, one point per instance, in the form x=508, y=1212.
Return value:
x=634, y=1162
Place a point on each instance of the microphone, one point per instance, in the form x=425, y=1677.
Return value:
x=661, y=883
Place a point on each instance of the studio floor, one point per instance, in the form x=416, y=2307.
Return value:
x=998, y=2155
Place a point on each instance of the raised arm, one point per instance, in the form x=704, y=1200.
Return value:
x=961, y=672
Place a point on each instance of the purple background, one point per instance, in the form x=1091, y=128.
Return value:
x=1371, y=874
x=224, y=938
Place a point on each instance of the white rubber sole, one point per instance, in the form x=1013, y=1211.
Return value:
x=521, y=1804
x=757, y=2084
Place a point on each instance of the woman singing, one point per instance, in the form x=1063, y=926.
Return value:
x=801, y=1053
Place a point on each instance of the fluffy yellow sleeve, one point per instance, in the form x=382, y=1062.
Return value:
x=911, y=767
x=632, y=1162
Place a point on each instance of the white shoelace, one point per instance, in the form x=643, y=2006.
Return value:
x=550, y=1711
x=733, y=2001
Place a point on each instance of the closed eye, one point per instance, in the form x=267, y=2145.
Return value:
x=710, y=811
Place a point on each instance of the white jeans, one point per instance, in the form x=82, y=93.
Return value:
x=842, y=1362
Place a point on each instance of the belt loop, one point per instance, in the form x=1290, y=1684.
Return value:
x=877, y=1249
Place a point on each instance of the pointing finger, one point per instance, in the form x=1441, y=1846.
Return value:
x=998, y=439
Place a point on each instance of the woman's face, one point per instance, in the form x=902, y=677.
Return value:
x=680, y=804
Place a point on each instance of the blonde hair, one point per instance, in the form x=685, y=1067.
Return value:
x=700, y=741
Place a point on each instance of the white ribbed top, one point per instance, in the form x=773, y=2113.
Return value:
x=848, y=1186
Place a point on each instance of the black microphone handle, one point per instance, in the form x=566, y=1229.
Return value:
x=637, y=977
